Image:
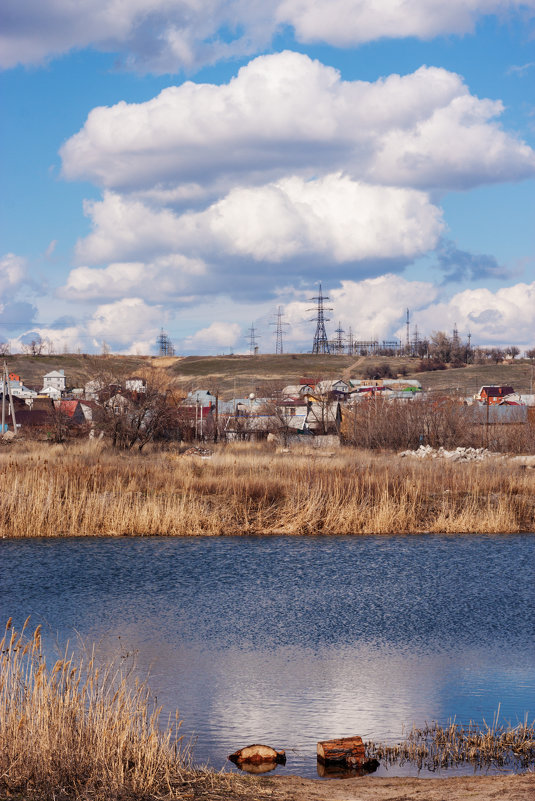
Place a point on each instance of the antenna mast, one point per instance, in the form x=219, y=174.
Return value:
x=321, y=343
x=408, y=334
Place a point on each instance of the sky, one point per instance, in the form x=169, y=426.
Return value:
x=195, y=165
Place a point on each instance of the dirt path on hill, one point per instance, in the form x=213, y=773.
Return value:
x=346, y=374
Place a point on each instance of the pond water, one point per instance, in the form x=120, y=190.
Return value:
x=287, y=641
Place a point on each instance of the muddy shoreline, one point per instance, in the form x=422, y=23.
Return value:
x=520, y=787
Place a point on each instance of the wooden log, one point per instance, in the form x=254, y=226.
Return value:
x=346, y=750
x=258, y=754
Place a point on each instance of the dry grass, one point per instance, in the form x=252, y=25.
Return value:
x=79, y=729
x=88, y=732
x=487, y=746
x=84, y=489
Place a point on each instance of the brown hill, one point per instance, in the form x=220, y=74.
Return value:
x=240, y=375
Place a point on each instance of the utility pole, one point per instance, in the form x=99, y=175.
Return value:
x=3, y=399
x=5, y=380
x=321, y=343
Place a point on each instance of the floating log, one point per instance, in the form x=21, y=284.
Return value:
x=345, y=750
x=257, y=755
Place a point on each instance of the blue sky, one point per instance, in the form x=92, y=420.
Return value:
x=196, y=169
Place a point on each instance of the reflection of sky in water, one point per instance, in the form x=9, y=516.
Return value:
x=289, y=641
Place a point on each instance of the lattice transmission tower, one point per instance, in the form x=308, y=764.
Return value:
x=279, y=331
x=339, y=341
x=253, y=341
x=321, y=343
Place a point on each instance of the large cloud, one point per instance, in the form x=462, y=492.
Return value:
x=286, y=114
x=169, y=35
x=129, y=325
x=372, y=308
x=331, y=218
x=348, y=22
x=501, y=317
x=375, y=309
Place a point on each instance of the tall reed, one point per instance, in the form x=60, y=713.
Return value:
x=80, y=730
x=85, y=489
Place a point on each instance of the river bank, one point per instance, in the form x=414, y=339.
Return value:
x=475, y=788
x=86, y=489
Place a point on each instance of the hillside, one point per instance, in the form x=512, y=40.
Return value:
x=239, y=375
x=79, y=368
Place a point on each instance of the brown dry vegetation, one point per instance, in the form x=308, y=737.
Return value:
x=76, y=728
x=85, y=489
x=79, y=730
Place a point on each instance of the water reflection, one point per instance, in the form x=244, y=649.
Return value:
x=288, y=641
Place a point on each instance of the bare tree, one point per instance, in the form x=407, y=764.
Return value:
x=35, y=347
x=133, y=419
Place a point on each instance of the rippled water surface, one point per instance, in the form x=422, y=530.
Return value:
x=289, y=641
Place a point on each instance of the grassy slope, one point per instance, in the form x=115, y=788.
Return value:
x=79, y=368
x=241, y=375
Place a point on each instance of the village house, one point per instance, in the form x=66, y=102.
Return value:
x=136, y=384
x=50, y=392
x=17, y=388
x=71, y=409
x=493, y=394
x=54, y=379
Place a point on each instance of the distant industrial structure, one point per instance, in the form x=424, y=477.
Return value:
x=165, y=346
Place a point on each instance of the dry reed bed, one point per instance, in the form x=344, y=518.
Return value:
x=91, y=732
x=483, y=746
x=86, y=489
x=78, y=730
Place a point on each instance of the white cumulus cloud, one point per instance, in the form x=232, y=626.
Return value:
x=287, y=114
x=372, y=308
x=332, y=218
x=375, y=309
x=166, y=278
x=348, y=22
x=217, y=334
x=501, y=317
x=169, y=35
x=12, y=272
